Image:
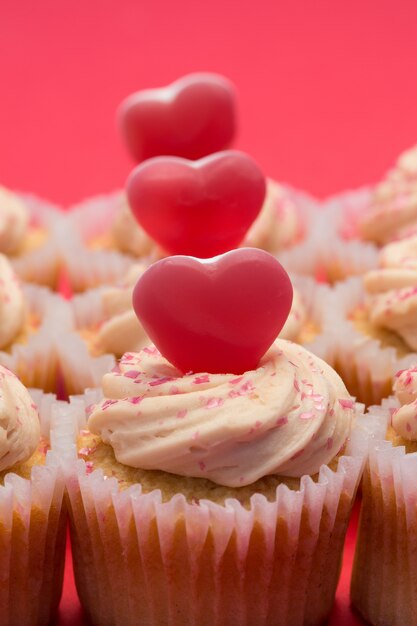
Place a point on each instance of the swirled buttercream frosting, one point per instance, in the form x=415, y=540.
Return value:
x=13, y=221
x=19, y=421
x=392, y=290
x=129, y=236
x=287, y=417
x=278, y=223
x=392, y=213
x=121, y=329
x=12, y=306
x=404, y=419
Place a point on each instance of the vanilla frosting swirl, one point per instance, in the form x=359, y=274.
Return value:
x=287, y=417
x=121, y=331
x=129, y=236
x=19, y=421
x=296, y=319
x=12, y=305
x=393, y=210
x=404, y=419
x=278, y=224
x=392, y=290
x=13, y=221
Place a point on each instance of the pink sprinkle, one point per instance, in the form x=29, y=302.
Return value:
x=213, y=403
x=331, y=412
x=202, y=465
x=246, y=388
x=136, y=399
x=199, y=380
x=174, y=390
x=281, y=421
x=235, y=381
x=195, y=435
x=296, y=385
x=297, y=454
x=108, y=403
x=182, y=413
x=151, y=350
x=307, y=415
x=346, y=404
x=84, y=451
x=127, y=357
x=160, y=381
x=233, y=394
x=255, y=427
x=88, y=467
x=130, y=374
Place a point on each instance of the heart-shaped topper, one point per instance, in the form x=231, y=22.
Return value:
x=217, y=315
x=201, y=208
x=191, y=118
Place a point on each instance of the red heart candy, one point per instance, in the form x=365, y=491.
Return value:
x=201, y=208
x=218, y=315
x=191, y=118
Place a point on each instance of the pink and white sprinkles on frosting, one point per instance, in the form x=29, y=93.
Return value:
x=392, y=290
x=404, y=419
x=289, y=416
x=14, y=221
x=12, y=304
x=19, y=421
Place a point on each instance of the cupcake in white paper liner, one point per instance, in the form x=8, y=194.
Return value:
x=159, y=546
x=365, y=356
x=326, y=256
x=31, y=317
x=32, y=513
x=28, y=235
x=384, y=578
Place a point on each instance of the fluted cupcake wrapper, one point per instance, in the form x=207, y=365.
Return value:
x=35, y=360
x=384, y=578
x=367, y=369
x=85, y=267
x=138, y=559
x=41, y=265
x=326, y=255
x=32, y=534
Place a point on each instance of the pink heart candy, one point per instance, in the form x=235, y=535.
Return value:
x=217, y=315
x=190, y=118
x=201, y=208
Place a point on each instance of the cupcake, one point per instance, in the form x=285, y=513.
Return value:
x=374, y=320
x=202, y=497
x=384, y=587
x=30, y=317
x=32, y=517
x=27, y=237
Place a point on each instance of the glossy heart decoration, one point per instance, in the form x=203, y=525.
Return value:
x=217, y=315
x=190, y=118
x=201, y=208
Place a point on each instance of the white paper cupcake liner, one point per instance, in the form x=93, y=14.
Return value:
x=87, y=268
x=33, y=532
x=42, y=265
x=327, y=256
x=384, y=579
x=367, y=368
x=139, y=559
x=35, y=362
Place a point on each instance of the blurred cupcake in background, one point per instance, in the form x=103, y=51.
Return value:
x=32, y=515
x=28, y=237
x=384, y=576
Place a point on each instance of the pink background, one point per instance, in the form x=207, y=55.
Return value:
x=328, y=95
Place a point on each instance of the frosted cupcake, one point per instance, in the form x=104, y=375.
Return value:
x=32, y=518
x=29, y=318
x=374, y=320
x=202, y=497
x=384, y=578
x=27, y=237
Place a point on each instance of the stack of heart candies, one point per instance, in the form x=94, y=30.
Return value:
x=212, y=447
